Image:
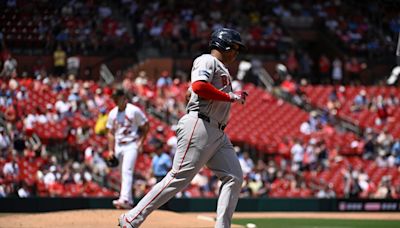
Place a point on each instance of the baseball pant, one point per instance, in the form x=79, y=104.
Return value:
x=128, y=154
x=199, y=143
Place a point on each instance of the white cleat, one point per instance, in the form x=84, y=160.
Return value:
x=123, y=222
x=122, y=204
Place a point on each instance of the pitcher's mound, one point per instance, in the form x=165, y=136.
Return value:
x=99, y=219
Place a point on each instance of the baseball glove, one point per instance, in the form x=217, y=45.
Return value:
x=112, y=161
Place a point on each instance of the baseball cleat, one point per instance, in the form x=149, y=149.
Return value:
x=123, y=222
x=122, y=204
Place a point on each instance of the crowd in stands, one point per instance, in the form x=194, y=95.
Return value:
x=79, y=26
x=52, y=129
x=84, y=27
x=79, y=168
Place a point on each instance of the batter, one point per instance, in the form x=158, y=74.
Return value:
x=201, y=137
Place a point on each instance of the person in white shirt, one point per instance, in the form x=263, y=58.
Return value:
x=127, y=130
x=246, y=163
x=297, y=152
x=305, y=128
x=62, y=106
x=5, y=141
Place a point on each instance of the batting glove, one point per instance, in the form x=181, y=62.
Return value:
x=238, y=96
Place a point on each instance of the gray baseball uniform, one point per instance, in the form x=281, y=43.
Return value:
x=201, y=141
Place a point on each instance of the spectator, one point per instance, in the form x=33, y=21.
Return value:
x=369, y=152
x=246, y=163
x=351, y=187
x=127, y=83
x=23, y=191
x=292, y=63
x=310, y=156
x=51, y=114
x=326, y=191
x=9, y=68
x=73, y=65
x=11, y=169
x=289, y=85
x=364, y=183
x=337, y=71
x=333, y=104
x=305, y=128
x=5, y=142
x=201, y=180
x=382, y=112
x=385, y=189
x=322, y=155
x=255, y=185
x=297, y=152
x=60, y=58
x=19, y=142
x=360, y=101
x=306, y=65
x=161, y=162
x=324, y=68
x=354, y=68
x=163, y=81
x=396, y=152
x=63, y=107
x=22, y=94
x=100, y=126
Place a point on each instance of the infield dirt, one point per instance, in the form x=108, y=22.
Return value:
x=158, y=219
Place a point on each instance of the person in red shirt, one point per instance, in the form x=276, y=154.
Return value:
x=353, y=69
x=324, y=68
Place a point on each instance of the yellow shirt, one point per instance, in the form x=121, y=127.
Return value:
x=59, y=58
x=100, y=127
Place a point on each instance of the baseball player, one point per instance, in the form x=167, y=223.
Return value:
x=201, y=137
x=127, y=130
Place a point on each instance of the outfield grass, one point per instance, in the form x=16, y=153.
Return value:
x=318, y=223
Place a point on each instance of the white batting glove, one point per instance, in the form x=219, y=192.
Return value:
x=239, y=97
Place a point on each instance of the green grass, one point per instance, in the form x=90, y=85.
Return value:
x=318, y=223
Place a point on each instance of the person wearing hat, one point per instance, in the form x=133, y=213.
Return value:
x=127, y=130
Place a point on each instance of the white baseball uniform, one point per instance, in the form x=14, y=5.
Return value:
x=201, y=141
x=125, y=126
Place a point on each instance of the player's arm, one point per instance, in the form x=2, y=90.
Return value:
x=111, y=141
x=201, y=76
x=144, y=129
x=110, y=134
x=207, y=91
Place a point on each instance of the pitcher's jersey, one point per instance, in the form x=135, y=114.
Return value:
x=208, y=68
x=126, y=123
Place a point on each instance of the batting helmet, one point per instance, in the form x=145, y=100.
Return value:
x=224, y=38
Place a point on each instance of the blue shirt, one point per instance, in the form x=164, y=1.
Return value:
x=161, y=164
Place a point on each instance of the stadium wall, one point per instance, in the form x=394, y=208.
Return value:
x=199, y=204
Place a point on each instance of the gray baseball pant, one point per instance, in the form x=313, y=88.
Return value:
x=199, y=143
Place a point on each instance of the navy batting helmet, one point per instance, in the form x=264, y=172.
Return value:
x=224, y=38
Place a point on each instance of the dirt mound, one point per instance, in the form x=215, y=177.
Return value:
x=99, y=219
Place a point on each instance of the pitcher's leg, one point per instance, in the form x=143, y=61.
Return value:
x=128, y=165
x=225, y=165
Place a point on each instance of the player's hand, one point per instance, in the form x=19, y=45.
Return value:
x=111, y=160
x=110, y=154
x=238, y=96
